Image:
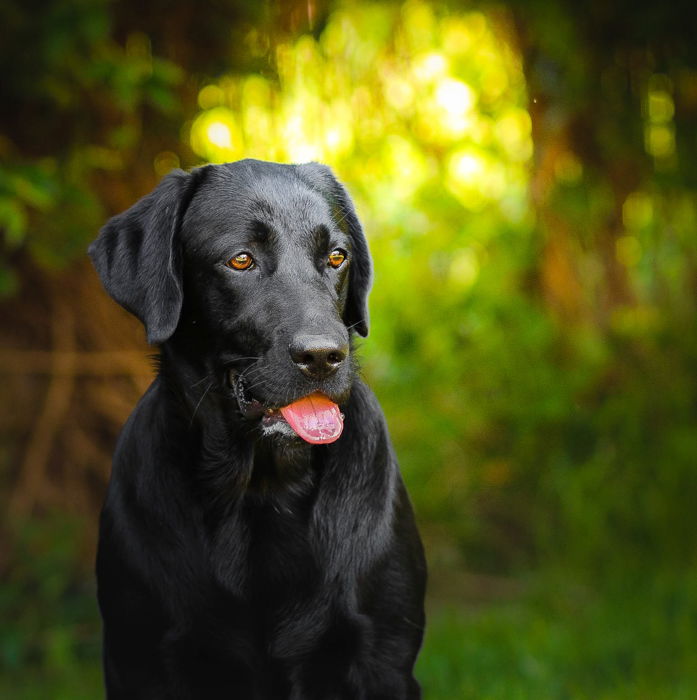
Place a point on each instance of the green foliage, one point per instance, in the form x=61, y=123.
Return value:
x=47, y=600
x=529, y=440
x=82, y=97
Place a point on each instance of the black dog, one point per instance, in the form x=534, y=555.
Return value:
x=257, y=540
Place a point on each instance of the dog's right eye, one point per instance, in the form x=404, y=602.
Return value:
x=336, y=258
x=241, y=261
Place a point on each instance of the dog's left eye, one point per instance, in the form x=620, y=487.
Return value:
x=336, y=258
x=241, y=261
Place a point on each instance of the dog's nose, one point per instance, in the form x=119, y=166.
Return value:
x=317, y=356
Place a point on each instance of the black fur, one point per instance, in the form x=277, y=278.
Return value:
x=234, y=561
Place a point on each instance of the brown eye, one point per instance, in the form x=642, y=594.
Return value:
x=336, y=258
x=241, y=261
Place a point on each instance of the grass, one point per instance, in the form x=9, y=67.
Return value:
x=634, y=641
x=544, y=639
x=77, y=681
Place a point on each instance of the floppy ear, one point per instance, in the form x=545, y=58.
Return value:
x=321, y=179
x=138, y=257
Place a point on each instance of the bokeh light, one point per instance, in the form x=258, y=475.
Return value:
x=419, y=97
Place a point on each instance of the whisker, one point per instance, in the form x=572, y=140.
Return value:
x=285, y=392
x=345, y=214
x=262, y=384
x=252, y=368
x=203, y=379
x=252, y=375
x=203, y=396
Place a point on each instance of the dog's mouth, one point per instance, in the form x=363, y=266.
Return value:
x=250, y=407
x=315, y=418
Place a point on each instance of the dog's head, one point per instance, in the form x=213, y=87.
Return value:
x=257, y=273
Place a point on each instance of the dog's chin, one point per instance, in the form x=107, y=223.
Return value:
x=275, y=427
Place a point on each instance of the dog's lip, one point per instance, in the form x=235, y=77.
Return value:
x=271, y=416
x=253, y=409
x=248, y=405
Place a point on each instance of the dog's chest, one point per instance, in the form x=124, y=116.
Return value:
x=280, y=537
x=264, y=553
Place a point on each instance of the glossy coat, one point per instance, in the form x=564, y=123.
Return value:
x=236, y=561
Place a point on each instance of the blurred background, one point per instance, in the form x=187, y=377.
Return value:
x=526, y=173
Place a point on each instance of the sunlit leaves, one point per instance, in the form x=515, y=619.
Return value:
x=659, y=130
x=383, y=94
x=216, y=135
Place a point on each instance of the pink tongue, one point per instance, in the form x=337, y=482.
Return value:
x=315, y=419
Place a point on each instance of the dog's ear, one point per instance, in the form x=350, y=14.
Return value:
x=138, y=256
x=321, y=179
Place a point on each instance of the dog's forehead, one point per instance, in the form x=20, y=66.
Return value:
x=233, y=202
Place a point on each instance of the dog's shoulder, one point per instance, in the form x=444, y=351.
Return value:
x=147, y=464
